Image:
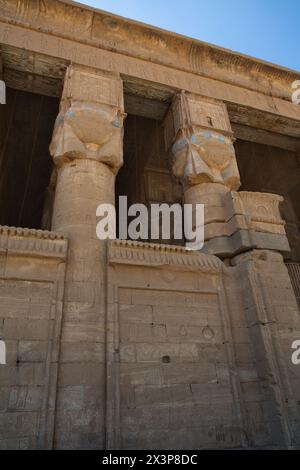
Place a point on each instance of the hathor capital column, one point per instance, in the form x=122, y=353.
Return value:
x=87, y=149
x=247, y=229
x=199, y=135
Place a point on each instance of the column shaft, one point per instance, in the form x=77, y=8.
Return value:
x=87, y=149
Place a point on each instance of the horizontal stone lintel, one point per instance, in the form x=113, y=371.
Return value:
x=108, y=31
x=128, y=66
x=245, y=240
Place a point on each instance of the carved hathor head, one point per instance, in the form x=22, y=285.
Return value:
x=199, y=134
x=90, y=121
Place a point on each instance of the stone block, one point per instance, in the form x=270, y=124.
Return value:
x=26, y=329
x=153, y=395
x=25, y=398
x=80, y=441
x=4, y=398
x=20, y=424
x=83, y=332
x=83, y=351
x=32, y=351
x=178, y=352
x=142, y=374
x=25, y=443
x=23, y=374
x=140, y=313
x=244, y=240
x=211, y=393
x=141, y=332
x=80, y=373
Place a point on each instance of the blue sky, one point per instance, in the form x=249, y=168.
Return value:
x=267, y=29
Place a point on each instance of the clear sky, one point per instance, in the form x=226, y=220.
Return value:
x=267, y=29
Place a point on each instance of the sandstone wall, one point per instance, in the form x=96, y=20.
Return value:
x=32, y=265
x=199, y=354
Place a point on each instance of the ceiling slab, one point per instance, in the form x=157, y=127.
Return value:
x=259, y=136
x=30, y=71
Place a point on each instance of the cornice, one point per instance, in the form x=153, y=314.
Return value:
x=31, y=242
x=154, y=254
x=104, y=30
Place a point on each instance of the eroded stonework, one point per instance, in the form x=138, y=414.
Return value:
x=199, y=135
x=90, y=122
x=126, y=344
x=202, y=142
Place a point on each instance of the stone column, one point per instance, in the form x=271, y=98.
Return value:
x=1, y=78
x=198, y=132
x=273, y=324
x=49, y=201
x=3, y=130
x=247, y=229
x=2, y=106
x=87, y=149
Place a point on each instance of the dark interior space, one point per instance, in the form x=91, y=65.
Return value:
x=139, y=136
x=145, y=176
x=25, y=162
x=274, y=170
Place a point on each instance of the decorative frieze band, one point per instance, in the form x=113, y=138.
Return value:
x=140, y=253
x=33, y=242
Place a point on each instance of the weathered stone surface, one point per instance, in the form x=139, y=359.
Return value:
x=137, y=345
x=87, y=149
x=90, y=122
x=30, y=318
x=200, y=135
x=201, y=138
x=245, y=240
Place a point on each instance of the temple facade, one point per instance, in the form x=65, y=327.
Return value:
x=143, y=344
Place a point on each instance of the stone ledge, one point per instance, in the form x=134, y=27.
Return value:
x=154, y=254
x=32, y=242
x=112, y=32
x=245, y=240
